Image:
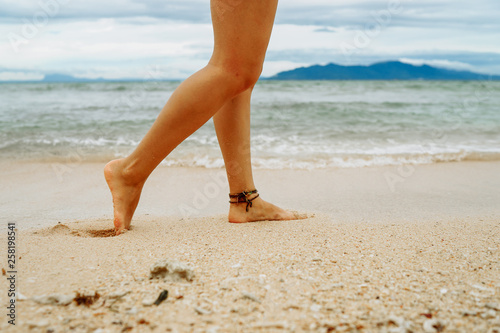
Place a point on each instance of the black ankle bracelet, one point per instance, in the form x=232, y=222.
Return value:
x=243, y=197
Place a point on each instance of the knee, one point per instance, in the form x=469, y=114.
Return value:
x=247, y=76
x=241, y=76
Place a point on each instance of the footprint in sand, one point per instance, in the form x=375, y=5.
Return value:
x=62, y=229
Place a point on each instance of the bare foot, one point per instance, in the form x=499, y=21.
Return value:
x=260, y=211
x=125, y=195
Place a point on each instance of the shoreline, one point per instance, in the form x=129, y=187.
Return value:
x=42, y=194
x=353, y=161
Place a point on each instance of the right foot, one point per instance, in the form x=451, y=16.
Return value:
x=125, y=195
x=260, y=211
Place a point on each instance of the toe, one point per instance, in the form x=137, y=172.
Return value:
x=299, y=216
x=120, y=231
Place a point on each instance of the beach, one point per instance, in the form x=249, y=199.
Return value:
x=411, y=248
x=373, y=126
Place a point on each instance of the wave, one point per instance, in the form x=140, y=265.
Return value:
x=338, y=161
x=214, y=160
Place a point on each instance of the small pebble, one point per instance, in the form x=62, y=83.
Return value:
x=493, y=306
x=118, y=294
x=395, y=320
x=21, y=297
x=480, y=287
x=433, y=326
x=467, y=313
x=41, y=323
x=171, y=271
x=54, y=299
x=132, y=311
x=251, y=296
x=315, y=308
x=270, y=325
x=163, y=296
x=201, y=311
x=148, y=301
x=488, y=314
x=100, y=330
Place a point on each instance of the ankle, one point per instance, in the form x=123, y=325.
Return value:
x=130, y=174
x=245, y=197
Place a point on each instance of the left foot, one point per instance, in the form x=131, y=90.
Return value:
x=126, y=195
x=260, y=211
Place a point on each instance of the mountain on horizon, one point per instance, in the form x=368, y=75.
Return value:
x=66, y=78
x=390, y=70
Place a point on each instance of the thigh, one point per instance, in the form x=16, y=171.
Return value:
x=242, y=29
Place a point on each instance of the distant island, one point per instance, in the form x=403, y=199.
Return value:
x=64, y=78
x=390, y=70
x=68, y=78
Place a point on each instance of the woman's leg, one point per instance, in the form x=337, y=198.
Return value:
x=232, y=124
x=242, y=30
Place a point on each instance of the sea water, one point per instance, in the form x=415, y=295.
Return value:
x=295, y=124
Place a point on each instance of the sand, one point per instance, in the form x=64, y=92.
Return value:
x=384, y=250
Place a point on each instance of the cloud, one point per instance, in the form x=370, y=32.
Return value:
x=484, y=63
x=479, y=14
x=455, y=65
x=20, y=76
x=182, y=10
x=123, y=37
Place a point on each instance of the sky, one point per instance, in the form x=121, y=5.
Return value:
x=171, y=39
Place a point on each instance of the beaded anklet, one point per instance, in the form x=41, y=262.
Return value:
x=243, y=197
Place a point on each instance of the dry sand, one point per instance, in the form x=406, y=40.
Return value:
x=423, y=256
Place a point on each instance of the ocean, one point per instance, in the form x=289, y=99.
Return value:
x=295, y=124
